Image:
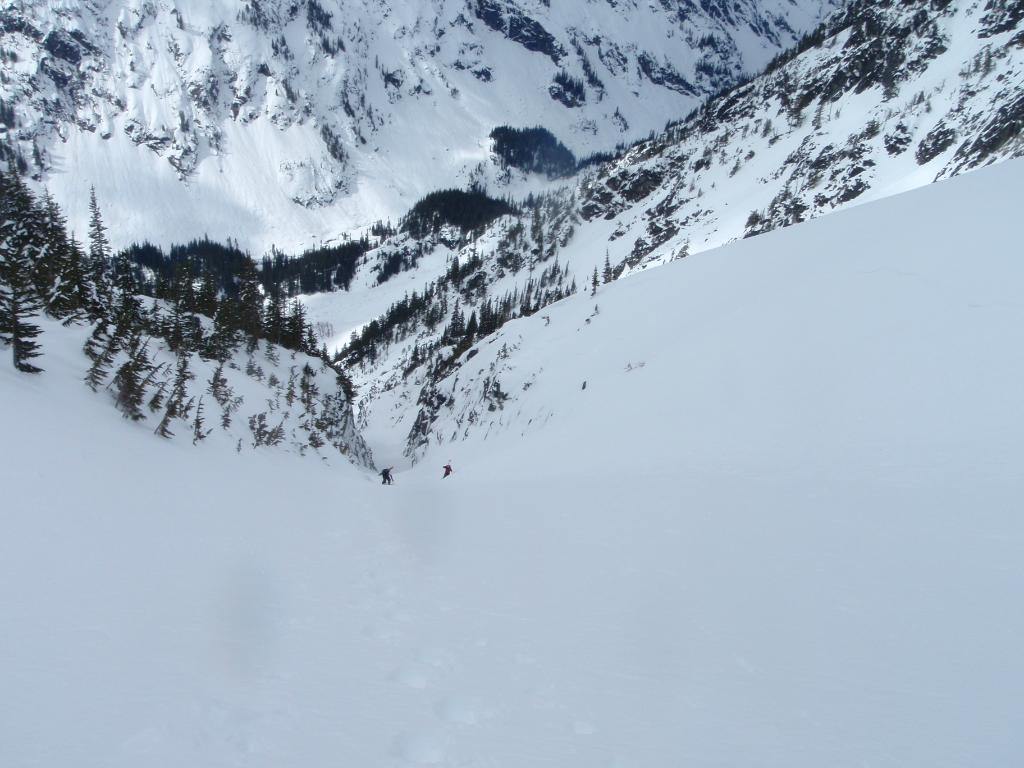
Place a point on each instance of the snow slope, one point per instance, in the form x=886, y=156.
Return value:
x=779, y=527
x=894, y=324
x=885, y=97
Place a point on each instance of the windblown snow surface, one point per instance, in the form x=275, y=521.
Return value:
x=788, y=535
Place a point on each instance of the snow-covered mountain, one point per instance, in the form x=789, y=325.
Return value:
x=286, y=122
x=779, y=527
x=755, y=506
x=884, y=97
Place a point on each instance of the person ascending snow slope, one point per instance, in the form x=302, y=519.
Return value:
x=385, y=475
x=447, y=470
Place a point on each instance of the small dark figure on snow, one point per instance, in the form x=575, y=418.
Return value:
x=447, y=470
x=385, y=476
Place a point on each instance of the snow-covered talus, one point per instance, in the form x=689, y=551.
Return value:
x=885, y=97
x=780, y=527
x=287, y=122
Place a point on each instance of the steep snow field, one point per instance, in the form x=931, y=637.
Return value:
x=788, y=535
x=843, y=123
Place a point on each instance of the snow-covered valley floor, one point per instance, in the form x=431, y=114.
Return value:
x=791, y=537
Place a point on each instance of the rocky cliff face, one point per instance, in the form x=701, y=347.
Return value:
x=278, y=120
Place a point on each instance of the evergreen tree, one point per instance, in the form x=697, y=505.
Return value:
x=594, y=282
x=97, y=341
x=250, y=302
x=290, y=394
x=457, y=326
x=608, y=274
x=258, y=427
x=183, y=286
x=71, y=299
x=99, y=259
x=274, y=318
x=487, y=324
x=223, y=340
x=537, y=230
x=271, y=353
x=198, y=432
x=80, y=273
x=131, y=379
x=276, y=435
x=206, y=297
x=101, y=348
x=316, y=442
x=309, y=391
x=156, y=402
x=218, y=386
x=127, y=307
x=229, y=409
x=20, y=248
x=295, y=328
x=50, y=262
x=309, y=339
x=175, y=331
x=472, y=326
x=178, y=407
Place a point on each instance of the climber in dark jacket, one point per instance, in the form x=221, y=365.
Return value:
x=447, y=470
x=385, y=475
